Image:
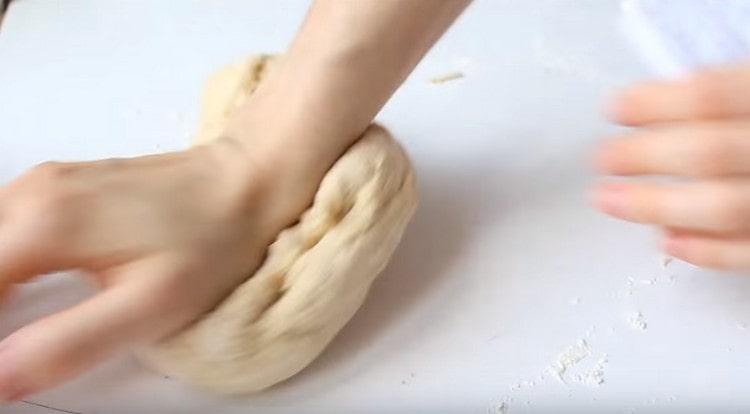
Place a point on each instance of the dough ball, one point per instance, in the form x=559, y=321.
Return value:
x=315, y=275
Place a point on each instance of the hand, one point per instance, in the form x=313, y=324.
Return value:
x=698, y=131
x=166, y=237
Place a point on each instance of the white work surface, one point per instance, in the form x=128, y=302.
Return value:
x=504, y=267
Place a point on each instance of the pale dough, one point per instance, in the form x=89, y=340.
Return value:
x=315, y=275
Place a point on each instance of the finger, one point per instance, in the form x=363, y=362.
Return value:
x=716, y=252
x=62, y=346
x=694, y=149
x=712, y=206
x=18, y=260
x=707, y=94
x=27, y=251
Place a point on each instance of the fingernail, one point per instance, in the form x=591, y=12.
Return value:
x=611, y=199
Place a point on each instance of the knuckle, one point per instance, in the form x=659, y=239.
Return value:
x=46, y=186
x=49, y=170
x=51, y=212
x=46, y=177
x=50, y=200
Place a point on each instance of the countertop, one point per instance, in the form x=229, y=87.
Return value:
x=505, y=266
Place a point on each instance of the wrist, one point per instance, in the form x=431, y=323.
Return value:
x=262, y=180
x=289, y=125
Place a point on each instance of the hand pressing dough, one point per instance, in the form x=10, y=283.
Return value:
x=315, y=275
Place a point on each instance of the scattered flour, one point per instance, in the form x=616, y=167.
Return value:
x=595, y=376
x=637, y=321
x=631, y=286
x=568, y=367
x=559, y=369
x=570, y=357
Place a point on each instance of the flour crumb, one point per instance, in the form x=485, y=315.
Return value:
x=666, y=261
x=450, y=76
x=595, y=376
x=631, y=286
x=575, y=301
x=637, y=321
x=502, y=408
x=570, y=357
x=742, y=326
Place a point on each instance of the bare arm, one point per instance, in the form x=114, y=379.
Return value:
x=344, y=64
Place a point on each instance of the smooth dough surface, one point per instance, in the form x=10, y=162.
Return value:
x=315, y=275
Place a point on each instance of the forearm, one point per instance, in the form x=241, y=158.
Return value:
x=346, y=61
x=359, y=52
